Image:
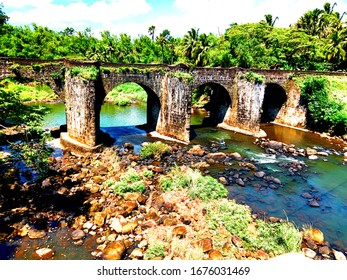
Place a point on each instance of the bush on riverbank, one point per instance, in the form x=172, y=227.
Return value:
x=197, y=185
x=155, y=150
x=324, y=114
x=30, y=92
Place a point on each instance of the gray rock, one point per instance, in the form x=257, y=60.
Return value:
x=306, y=195
x=77, y=234
x=313, y=203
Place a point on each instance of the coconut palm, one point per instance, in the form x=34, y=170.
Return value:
x=151, y=31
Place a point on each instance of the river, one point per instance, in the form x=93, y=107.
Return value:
x=325, y=179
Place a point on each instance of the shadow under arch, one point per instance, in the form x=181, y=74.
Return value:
x=216, y=101
x=274, y=98
x=109, y=134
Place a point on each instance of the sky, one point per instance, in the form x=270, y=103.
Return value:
x=134, y=17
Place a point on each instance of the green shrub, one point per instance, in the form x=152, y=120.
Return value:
x=86, y=73
x=273, y=238
x=130, y=181
x=155, y=251
x=155, y=150
x=323, y=114
x=197, y=185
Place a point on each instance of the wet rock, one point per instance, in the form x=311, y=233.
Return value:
x=128, y=146
x=306, y=195
x=275, y=145
x=260, y=174
x=339, y=255
x=44, y=253
x=310, y=151
x=277, y=181
x=216, y=156
x=315, y=235
x=313, y=157
x=240, y=182
x=323, y=154
x=77, y=234
x=179, y=231
x=311, y=244
x=114, y=250
x=324, y=250
x=36, y=234
x=313, y=203
x=309, y=253
x=223, y=180
x=196, y=150
x=46, y=183
x=236, y=155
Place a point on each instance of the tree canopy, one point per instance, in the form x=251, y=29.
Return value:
x=317, y=41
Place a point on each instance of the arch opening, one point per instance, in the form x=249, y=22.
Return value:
x=129, y=108
x=274, y=98
x=210, y=104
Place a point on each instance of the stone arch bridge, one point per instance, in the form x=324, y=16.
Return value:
x=240, y=99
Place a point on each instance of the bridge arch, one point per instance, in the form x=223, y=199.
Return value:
x=153, y=103
x=216, y=101
x=275, y=97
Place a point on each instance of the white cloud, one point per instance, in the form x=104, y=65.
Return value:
x=59, y=16
x=135, y=16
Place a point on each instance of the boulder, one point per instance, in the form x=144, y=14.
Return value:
x=236, y=155
x=206, y=244
x=77, y=234
x=310, y=151
x=44, y=253
x=114, y=250
x=315, y=235
x=339, y=255
x=275, y=145
x=260, y=174
x=179, y=231
x=196, y=150
x=36, y=234
x=309, y=253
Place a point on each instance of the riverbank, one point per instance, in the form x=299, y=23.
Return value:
x=151, y=223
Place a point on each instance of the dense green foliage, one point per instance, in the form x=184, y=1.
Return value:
x=197, y=185
x=317, y=41
x=274, y=238
x=32, y=148
x=323, y=113
x=155, y=150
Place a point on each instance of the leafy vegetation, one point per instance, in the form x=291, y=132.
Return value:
x=30, y=91
x=323, y=113
x=32, y=148
x=317, y=41
x=130, y=181
x=155, y=150
x=197, y=185
x=155, y=251
x=126, y=94
x=87, y=73
x=274, y=238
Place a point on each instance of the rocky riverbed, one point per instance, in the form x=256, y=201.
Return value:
x=77, y=196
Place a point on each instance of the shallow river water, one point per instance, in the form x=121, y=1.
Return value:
x=325, y=179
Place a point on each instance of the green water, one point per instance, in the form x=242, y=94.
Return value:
x=328, y=179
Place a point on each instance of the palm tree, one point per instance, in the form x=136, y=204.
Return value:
x=336, y=48
x=269, y=21
x=162, y=40
x=151, y=31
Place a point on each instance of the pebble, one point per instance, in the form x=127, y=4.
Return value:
x=44, y=253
